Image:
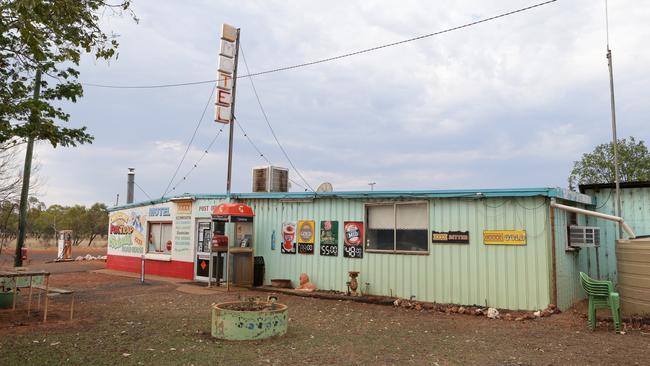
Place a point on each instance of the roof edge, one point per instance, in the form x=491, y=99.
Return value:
x=636, y=184
x=557, y=192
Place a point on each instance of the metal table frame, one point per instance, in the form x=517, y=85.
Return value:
x=14, y=275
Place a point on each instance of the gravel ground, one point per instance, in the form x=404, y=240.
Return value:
x=121, y=321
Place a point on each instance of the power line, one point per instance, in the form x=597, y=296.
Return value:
x=262, y=154
x=189, y=144
x=328, y=59
x=196, y=164
x=143, y=191
x=268, y=123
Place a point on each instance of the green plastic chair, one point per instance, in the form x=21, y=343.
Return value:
x=601, y=296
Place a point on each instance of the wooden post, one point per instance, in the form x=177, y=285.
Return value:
x=15, y=293
x=47, y=288
x=29, y=304
x=34, y=119
x=72, y=306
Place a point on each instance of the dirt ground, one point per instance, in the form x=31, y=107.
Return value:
x=119, y=320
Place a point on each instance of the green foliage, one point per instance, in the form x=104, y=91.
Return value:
x=598, y=166
x=50, y=36
x=42, y=222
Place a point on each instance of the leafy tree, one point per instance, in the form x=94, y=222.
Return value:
x=598, y=166
x=50, y=36
x=43, y=223
x=96, y=222
x=74, y=219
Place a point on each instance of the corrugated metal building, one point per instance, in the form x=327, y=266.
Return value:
x=635, y=209
x=512, y=252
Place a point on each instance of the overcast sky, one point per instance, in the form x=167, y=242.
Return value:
x=508, y=103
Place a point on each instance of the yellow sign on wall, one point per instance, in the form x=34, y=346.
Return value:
x=306, y=231
x=504, y=237
x=183, y=207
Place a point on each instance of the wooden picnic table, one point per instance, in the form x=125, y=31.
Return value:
x=15, y=276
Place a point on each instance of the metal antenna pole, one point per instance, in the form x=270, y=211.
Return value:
x=617, y=204
x=231, y=132
x=617, y=207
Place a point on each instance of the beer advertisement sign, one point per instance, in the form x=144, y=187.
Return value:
x=450, y=237
x=306, y=236
x=329, y=238
x=353, y=239
x=288, y=238
x=504, y=237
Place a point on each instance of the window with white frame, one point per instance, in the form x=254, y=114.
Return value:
x=160, y=237
x=397, y=227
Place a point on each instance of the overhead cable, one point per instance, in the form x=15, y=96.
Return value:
x=268, y=123
x=143, y=191
x=196, y=164
x=189, y=144
x=259, y=152
x=328, y=59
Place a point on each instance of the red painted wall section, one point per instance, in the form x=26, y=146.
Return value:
x=176, y=269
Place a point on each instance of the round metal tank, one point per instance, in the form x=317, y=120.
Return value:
x=231, y=323
x=633, y=262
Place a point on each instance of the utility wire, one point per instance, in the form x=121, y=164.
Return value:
x=262, y=154
x=328, y=59
x=189, y=144
x=268, y=123
x=143, y=191
x=607, y=200
x=528, y=208
x=196, y=164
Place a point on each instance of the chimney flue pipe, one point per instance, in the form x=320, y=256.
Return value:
x=130, y=182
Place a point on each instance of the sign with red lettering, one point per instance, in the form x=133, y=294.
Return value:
x=227, y=68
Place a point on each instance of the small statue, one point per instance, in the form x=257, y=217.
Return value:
x=354, y=284
x=305, y=285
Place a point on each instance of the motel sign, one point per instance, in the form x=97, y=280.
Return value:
x=226, y=74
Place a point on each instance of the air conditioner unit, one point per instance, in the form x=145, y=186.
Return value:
x=270, y=179
x=584, y=236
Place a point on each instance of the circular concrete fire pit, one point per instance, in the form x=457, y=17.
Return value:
x=245, y=320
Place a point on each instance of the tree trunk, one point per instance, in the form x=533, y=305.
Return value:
x=91, y=238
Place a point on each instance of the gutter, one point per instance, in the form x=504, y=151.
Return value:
x=620, y=220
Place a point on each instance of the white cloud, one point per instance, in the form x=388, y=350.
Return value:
x=527, y=92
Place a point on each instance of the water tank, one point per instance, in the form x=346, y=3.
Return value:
x=633, y=262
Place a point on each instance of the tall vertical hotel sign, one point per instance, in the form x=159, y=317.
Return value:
x=226, y=74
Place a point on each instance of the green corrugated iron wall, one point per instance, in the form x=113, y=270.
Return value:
x=635, y=207
x=601, y=262
x=569, y=263
x=513, y=277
